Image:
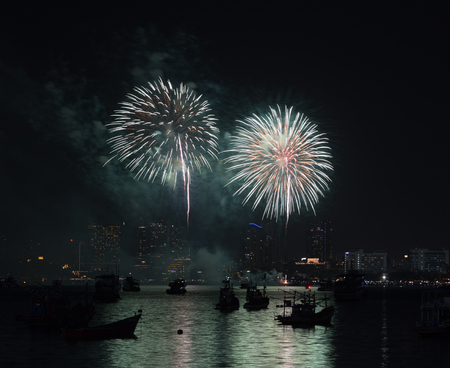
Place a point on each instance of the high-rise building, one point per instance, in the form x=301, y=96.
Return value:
x=261, y=247
x=104, y=247
x=162, y=250
x=319, y=242
x=179, y=260
x=143, y=251
x=157, y=239
x=429, y=260
x=369, y=262
x=177, y=242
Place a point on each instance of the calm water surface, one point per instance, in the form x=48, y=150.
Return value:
x=376, y=332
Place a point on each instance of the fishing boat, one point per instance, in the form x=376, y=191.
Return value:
x=245, y=284
x=53, y=310
x=350, y=286
x=255, y=298
x=177, y=286
x=303, y=309
x=119, y=329
x=434, y=314
x=130, y=284
x=326, y=285
x=227, y=300
x=107, y=288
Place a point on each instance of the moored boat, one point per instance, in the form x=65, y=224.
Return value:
x=52, y=310
x=326, y=285
x=434, y=314
x=255, y=298
x=227, y=300
x=130, y=284
x=177, y=286
x=350, y=286
x=245, y=284
x=303, y=309
x=107, y=288
x=119, y=329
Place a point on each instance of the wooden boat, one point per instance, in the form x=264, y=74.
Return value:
x=350, y=286
x=120, y=329
x=177, y=286
x=107, y=288
x=227, y=300
x=130, y=284
x=255, y=299
x=434, y=314
x=303, y=309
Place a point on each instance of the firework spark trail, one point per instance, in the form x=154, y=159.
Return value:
x=161, y=130
x=282, y=159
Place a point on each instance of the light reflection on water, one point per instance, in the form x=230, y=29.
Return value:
x=376, y=332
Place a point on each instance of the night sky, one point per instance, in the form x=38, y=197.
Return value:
x=373, y=76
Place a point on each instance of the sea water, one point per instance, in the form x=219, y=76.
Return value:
x=186, y=331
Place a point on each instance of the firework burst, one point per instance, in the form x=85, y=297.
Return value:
x=282, y=159
x=162, y=131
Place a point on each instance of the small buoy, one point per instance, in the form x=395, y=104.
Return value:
x=180, y=332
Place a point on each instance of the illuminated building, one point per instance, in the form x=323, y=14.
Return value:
x=261, y=247
x=319, y=242
x=142, y=248
x=368, y=262
x=428, y=260
x=180, y=267
x=177, y=246
x=162, y=250
x=104, y=247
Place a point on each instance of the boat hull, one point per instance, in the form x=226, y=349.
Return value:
x=177, y=286
x=226, y=308
x=227, y=304
x=321, y=318
x=130, y=284
x=262, y=304
x=120, y=329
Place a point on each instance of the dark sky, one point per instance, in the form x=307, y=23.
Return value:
x=373, y=76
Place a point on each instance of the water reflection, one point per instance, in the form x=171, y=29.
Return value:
x=374, y=332
x=384, y=335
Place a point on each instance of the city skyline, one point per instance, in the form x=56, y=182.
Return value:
x=158, y=251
